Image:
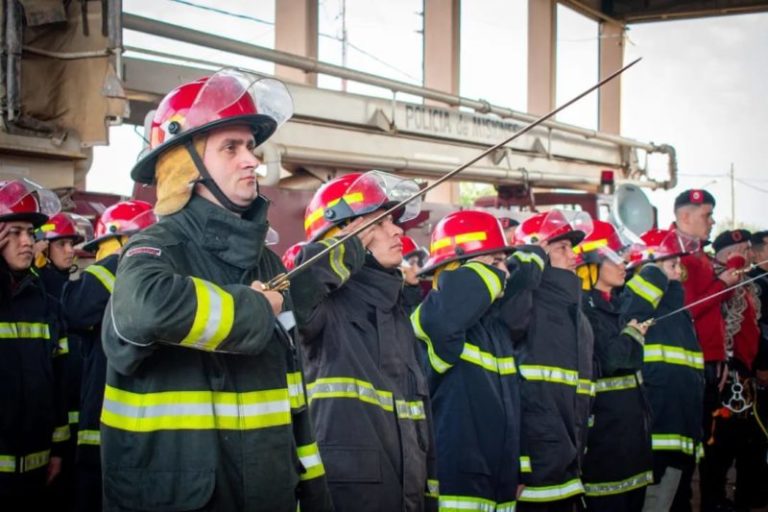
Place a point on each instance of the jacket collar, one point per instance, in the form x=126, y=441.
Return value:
x=597, y=300
x=233, y=239
x=376, y=285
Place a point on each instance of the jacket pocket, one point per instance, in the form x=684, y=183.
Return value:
x=158, y=490
x=270, y=484
x=351, y=464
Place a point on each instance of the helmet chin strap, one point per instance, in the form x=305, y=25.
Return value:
x=209, y=183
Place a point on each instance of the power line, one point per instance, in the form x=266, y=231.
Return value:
x=750, y=185
x=222, y=11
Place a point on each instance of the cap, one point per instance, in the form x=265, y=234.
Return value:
x=758, y=237
x=694, y=196
x=731, y=237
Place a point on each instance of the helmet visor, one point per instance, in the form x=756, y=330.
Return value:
x=14, y=193
x=273, y=237
x=232, y=93
x=375, y=190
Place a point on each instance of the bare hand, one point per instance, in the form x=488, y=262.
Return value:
x=275, y=298
x=4, y=228
x=730, y=276
x=641, y=327
x=493, y=261
x=365, y=236
x=54, y=468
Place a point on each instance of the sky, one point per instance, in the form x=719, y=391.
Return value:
x=700, y=86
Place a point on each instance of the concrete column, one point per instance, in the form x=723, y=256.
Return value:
x=296, y=32
x=542, y=55
x=611, y=59
x=441, y=66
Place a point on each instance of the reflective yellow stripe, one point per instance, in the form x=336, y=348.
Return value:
x=501, y=365
x=674, y=443
x=296, y=390
x=527, y=257
x=25, y=330
x=104, y=276
x=201, y=410
x=509, y=506
x=646, y=290
x=26, y=463
x=433, y=489
x=61, y=433
x=346, y=387
x=310, y=459
x=461, y=503
x=476, y=236
x=357, y=197
x=616, y=383
x=435, y=361
x=62, y=347
x=552, y=492
x=673, y=355
x=619, y=486
x=590, y=245
x=336, y=259
x=74, y=417
x=491, y=280
x=214, y=316
x=89, y=437
x=525, y=464
x=558, y=376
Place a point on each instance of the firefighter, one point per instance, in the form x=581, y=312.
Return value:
x=33, y=421
x=735, y=435
x=62, y=233
x=413, y=261
x=672, y=362
x=556, y=360
x=368, y=396
x=509, y=225
x=618, y=465
x=84, y=302
x=693, y=219
x=473, y=379
x=204, y=406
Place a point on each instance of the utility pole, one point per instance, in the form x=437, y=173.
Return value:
x=344, y=41
x=733, y=199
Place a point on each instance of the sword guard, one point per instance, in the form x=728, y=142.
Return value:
x=278, y=284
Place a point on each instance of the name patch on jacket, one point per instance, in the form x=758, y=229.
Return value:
x=152, y=251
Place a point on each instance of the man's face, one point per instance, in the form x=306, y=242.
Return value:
x=231, y=162
x=612, y=274
x=561, y=254
x=671, y=268
x=18, y=251
x=61, y=252
x=760, y=254
x=696, y=220
x=386, y=246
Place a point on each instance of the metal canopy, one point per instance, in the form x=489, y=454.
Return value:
x=639, y=11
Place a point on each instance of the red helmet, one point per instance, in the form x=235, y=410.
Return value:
x=289, y=256
x=354, y=195
x=603, y=242
x=411, y=249
x=228, y=97
x=125, y=218
x=661, y=244
x=552, y=226
x=464, y=234
x=67, y=225
x=27, y=201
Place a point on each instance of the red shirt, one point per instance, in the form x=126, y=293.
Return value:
x=699, y=281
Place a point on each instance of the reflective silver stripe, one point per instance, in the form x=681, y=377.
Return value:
x=92, y=437
x=7, y=464
x=550, y=374
x=104, y=276
x=501, y=365
x=673, y=442
x=525, y=464
x=646, y=290
x=621, y=486
x=296, y=390
x=345, y=387
x=552, y=492
x=410, y=410
x=433, y=488
x=616, y=383
x=669, y=354
x=74, y=417
x=585, y=387
x=61, y=433
x=449, y=503
x=214, y=316
x=63, y=346
x=309, y=455
x=510, y=506
x=34, y=461
x=527, y=257
x=11, y=330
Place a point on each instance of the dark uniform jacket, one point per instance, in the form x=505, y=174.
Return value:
x=368, y=395
x=619, y=457
x=672, y=371
x=474, y=385
x=557, y=367
x=204, y=407
x=33, y=417
x=84, y=302
x=761, y=286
